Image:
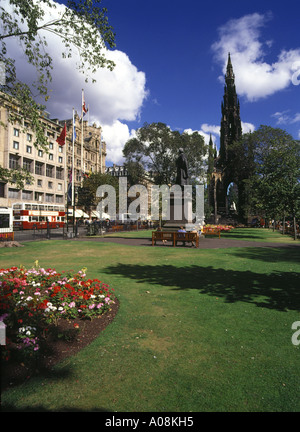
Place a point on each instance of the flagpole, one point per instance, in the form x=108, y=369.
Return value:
x=66, y=172
x=73, y=155
x=101, y=152
x=82, y=167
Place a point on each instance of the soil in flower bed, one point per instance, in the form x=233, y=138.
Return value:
x=68, y=341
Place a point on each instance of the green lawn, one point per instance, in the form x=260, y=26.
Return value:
x=247, y=234
x=197, y=330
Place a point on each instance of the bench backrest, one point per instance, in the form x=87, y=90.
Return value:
x=189, y=236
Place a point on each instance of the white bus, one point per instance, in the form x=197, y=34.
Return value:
x=37, y=216
x=6, y=224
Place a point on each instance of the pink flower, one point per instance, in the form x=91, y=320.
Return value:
x=92, y=306
x=72, y=304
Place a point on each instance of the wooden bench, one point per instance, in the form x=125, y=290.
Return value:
x=174, y=237
x=211, y=231
x=189, y=237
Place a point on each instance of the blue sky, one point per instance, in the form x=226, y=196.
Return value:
x=171, y=57
x=173, y=43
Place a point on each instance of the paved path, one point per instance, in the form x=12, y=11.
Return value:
x=204, y=243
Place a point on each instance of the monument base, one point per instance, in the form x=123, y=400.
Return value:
x=178, y=217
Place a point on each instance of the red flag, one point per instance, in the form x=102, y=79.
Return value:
x=62, y=137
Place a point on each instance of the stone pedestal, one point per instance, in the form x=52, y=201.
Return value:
x=180, y=213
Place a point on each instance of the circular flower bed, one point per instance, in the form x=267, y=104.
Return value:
x=34, y=300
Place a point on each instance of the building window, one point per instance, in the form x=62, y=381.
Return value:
x=59, y=186
x=2, y=190
x=29, y=137
x=49, y=198
x=39, y=168
x=13, y=162
x=60, y=159
x=59, y=173
x=40, y=153
x=27, y=164
x=59, y=199
x=50, y=185
x=13, y=193
x=50, y=156
x=26, y=195
x=49, y=170
x=60, y=149
x=28, y=149
x=38, y=196
x=16, y=132
x=40, y=183
x=51, y=146
x=16, y=145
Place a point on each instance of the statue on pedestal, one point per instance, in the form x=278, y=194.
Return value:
x=182, y=177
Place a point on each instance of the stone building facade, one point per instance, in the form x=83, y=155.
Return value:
x=50, y=170
x=17, y=150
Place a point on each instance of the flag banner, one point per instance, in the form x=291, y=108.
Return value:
x=62, y=137
x=74, y=131
x=84, y=108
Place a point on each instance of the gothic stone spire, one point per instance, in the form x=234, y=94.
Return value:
x=231, y=129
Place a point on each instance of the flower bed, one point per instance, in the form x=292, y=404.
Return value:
x=220, y=227
x=33, y=301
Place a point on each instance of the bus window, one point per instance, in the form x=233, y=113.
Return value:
x=17, y=217
x=35, y=218
x=50, y=208
x=4, y=220
x=56, y=208
x=34, y=207
x=42, y=219
x=27, y=206
x=17, y=206
x=42, y=208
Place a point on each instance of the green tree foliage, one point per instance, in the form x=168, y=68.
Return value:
x=87, y=192
x=82, y=27
x=20, y=177
x=268, y=163
x=155, y=150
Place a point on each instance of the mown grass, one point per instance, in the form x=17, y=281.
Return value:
x=197, y=330
x=246, y=234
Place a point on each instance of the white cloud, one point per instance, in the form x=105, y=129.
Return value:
x=206, y=132
x=284, y=117
x=255, y=78
x=117, y=133
x=210, y=129
x=116, y=96
x=247, y=127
